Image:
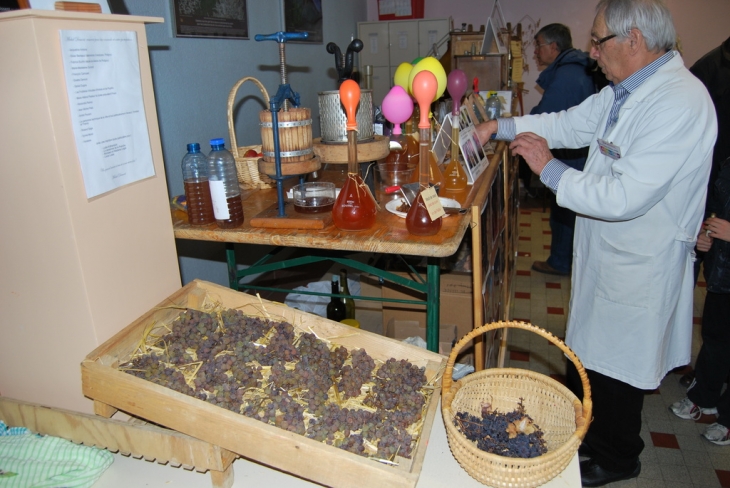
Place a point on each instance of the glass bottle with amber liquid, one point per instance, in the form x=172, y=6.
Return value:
x=454, y=175
x=355, y=207
x=224, y=190
x=197, y=189
x=418, y=218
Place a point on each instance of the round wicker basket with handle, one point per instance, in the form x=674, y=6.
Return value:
x=562, y=417
x=247, y=168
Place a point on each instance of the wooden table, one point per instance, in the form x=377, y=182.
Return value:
x=388, y=236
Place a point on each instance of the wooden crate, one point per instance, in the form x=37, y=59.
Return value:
x=112, y=389
x=130, y=438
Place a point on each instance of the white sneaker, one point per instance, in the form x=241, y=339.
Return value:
x=686, y=409
x=718, y=434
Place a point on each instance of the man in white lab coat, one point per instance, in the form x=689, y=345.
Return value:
x=640, y=201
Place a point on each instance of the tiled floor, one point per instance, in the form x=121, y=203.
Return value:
x=675, y=454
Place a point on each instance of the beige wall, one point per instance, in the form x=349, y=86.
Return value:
x=701, y=24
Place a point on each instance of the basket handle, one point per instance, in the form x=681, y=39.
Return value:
x=587, y=405
x=231, y=99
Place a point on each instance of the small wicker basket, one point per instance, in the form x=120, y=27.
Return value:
x=563, y=419
x=247, y=168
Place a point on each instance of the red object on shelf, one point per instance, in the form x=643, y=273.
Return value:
x=417, y=9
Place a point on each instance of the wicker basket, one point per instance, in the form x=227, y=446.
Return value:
x=563, y=419
x=247, y=168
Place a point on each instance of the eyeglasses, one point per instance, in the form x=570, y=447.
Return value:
x=538, y=45
x=597, y=42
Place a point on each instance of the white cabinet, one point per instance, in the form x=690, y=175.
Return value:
x=388, y=44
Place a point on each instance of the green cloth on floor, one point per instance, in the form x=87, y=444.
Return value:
x=48, y=462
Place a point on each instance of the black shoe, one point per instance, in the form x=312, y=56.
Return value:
x=687, y=379
x=591, y=474
x=544, y=267
x=586, y=451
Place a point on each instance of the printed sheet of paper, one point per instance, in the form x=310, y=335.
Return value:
x=107, y=109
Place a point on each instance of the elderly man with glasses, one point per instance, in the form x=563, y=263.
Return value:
x=640, y=201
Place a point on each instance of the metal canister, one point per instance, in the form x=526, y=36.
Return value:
x=332, y=117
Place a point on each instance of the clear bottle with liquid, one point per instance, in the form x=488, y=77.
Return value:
x=224, y=190
x=349, y=302
x=197, y=188
x=493, y=107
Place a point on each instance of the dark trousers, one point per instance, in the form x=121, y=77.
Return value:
x=614, y=433
x=713, y=361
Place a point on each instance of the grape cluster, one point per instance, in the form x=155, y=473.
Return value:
x=490, y=433
x=267, y=372
x=353, y=376
x=397, y=385
x=150, y=368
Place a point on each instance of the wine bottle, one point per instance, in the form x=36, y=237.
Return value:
x=349, y=302
x=335, y=308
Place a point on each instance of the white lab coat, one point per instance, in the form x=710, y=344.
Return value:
x=630, y=312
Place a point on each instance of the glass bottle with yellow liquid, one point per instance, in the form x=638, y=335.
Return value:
x=455, y=176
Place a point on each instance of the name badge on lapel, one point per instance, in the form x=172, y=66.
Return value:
x=609, y=149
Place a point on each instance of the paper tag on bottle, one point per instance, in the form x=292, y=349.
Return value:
x=433, y=204
x=218, y=198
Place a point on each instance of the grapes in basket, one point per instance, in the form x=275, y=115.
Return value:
x=512, y=434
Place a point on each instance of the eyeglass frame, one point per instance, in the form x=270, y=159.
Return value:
x=597, y=43
x=538, y=45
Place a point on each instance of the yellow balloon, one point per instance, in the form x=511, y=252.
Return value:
x=401, y=76
x=434, y=66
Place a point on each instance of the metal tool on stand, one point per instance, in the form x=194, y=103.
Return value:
x=281, y=100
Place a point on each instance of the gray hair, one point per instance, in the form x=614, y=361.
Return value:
x=651, y=17
x=557, y=33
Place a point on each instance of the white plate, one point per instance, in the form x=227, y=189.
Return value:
x=393, y=204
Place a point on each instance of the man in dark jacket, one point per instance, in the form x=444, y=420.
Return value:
x=566, y=81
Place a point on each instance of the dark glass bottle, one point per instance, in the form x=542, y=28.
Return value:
x=336, y=310
x=349, y=302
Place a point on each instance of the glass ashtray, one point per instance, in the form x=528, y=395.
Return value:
x=313, y=197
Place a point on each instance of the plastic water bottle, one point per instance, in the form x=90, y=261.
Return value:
x=493, y=107
x=197, y=188
x=224, y=190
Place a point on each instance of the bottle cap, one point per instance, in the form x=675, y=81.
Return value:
x=351, y=323
x=218, y=142
x=193, y=147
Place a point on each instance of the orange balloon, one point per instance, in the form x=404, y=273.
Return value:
x=350, y=98
x=425, y=87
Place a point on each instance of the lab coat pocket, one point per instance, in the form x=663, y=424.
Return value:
x=623, y=276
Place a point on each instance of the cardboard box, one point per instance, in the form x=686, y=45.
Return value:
x=456, y=303
x=403, y=329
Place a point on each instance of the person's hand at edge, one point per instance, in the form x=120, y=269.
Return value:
x=704, y=242
x=717, y=228
x=534, y=149
x=485, y=130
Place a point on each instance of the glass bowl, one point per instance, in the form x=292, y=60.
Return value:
x=313, y=197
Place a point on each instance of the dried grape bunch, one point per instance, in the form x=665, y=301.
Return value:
x=271, y=372
x=512, y=434
x=353, y=376
x=395, y=381
x=150, y=368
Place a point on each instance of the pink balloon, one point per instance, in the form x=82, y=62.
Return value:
x=456, y=84
x=424, y=90
x=397, y=107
